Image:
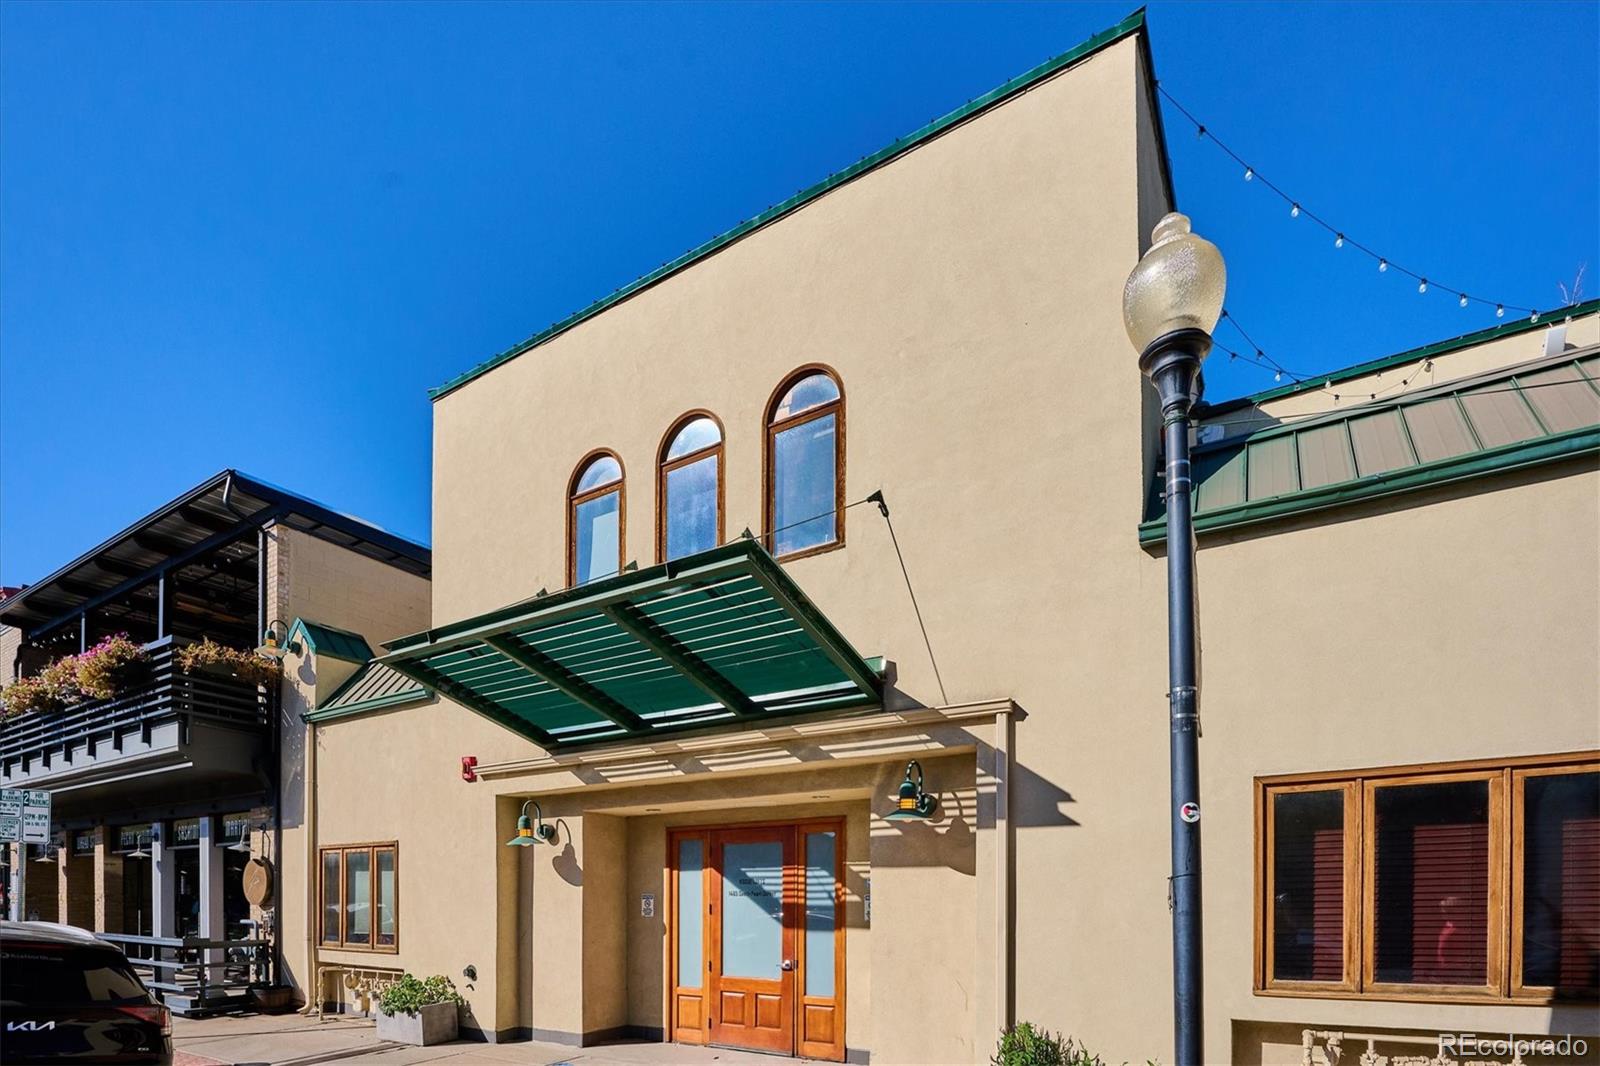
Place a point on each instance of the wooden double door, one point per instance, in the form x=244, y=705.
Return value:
x=756, y=937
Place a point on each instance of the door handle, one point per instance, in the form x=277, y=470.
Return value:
x=788, y=964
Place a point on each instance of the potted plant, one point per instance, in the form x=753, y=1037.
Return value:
x=107, y=668
x=209, y=657
x=414, y=1011
x=55, y=688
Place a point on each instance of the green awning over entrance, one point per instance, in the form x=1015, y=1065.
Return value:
x=721, y=637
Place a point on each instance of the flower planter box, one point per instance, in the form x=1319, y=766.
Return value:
x=436, y=1023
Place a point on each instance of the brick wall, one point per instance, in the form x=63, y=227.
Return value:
x=75, y=886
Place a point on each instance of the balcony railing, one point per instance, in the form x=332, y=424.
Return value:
x=161, y=692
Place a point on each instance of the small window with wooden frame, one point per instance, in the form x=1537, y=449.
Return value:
x=596, y=518
x=689, y=490
x=360, y=897
x=1460, y=882
x=804, y=462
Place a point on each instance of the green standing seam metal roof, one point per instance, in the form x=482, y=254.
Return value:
x=373, y=687
x=1104, y=39
x=1411, y=355
x=722, y=636
x=326, y=640
x=1537, y=412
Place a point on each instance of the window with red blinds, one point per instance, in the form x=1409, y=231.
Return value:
x=1477, y=879
x=1308, y=886
x=1431, y=925
x=1561, y=883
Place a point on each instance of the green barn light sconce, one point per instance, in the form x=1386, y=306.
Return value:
x=914, y=802
x=531, y=830
x=275, y=641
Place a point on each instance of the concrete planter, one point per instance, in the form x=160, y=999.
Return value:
x=437, y=1023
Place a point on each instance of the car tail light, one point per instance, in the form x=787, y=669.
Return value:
x=155, y=1015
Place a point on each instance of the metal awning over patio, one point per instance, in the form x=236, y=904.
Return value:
x=724, y=636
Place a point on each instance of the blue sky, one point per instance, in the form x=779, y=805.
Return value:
x=203, y=208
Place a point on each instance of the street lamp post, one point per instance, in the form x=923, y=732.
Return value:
x=1170, y=304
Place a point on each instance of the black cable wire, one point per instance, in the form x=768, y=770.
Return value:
x=1341, y=237
x=883, y=508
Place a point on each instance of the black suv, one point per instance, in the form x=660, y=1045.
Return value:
x=66, y=996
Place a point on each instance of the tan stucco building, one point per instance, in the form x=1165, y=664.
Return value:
x=1399, y=573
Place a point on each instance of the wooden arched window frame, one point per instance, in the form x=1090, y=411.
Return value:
x=587, y=507
x=674, y=462
x=792, y=419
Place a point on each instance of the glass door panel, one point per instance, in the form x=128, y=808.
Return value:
x=821, y=1018
x=752, y=977
x=752, y=910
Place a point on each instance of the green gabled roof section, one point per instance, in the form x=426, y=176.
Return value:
x=329, y=641
x=1411, y=355
x=1540, y=411
x=374, y=687
x=720, y=638
x=1127, y=27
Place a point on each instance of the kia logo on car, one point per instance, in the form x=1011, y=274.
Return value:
x=29, y=1027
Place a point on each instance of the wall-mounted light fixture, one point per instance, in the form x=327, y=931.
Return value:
x=243, y=843
x=529, y=831
x=914, y=802
x=138, y=851
x=275, y=641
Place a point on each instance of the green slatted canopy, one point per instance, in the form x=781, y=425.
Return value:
x=723, y=636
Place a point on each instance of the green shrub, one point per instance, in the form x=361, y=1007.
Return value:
x=410, y=994
x=1026, y=1045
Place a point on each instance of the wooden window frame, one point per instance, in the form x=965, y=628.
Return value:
x=343, y=851
x=1507, y=779
x=1494, y=968
x=574, y=500
x=771, y=429
x=1351, y=888
x=665, y=466
x=1519, y=781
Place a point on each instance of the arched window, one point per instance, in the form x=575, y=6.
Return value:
x=805, y=464
x=689, y=516
x=595, y=519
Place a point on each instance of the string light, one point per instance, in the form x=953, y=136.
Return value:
x=1339, y=238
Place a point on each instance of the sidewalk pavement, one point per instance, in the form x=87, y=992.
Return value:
x=296, y=1040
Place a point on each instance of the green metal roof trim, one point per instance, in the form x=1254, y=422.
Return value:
x=374, y=687
x=1537, y=412
x=720, y=637
x=326, y=640
x=1411, y=355
x=1130, y=25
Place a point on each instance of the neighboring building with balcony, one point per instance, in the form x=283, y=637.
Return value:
x=166, y=787
x=709, y=733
